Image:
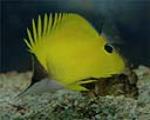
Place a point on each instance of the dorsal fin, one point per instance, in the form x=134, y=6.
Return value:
x=44, y=28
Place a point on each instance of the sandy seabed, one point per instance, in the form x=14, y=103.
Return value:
x=67, y=105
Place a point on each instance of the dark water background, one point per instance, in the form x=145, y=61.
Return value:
x=127, y=22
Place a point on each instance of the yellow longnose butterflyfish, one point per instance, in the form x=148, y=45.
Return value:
x=71, y=51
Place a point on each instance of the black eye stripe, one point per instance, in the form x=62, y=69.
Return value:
x=108, y=48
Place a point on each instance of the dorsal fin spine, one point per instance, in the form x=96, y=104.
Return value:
x=34, y=30
x=55, y=21
x=30, y=37
x=39, y=27
x=49, y=24
x=45, y=25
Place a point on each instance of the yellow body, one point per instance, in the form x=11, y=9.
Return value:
x=70, y=50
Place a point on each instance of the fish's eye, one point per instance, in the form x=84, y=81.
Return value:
x=108, y=47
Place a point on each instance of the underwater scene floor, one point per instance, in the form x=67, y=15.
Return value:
x=67, y=105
